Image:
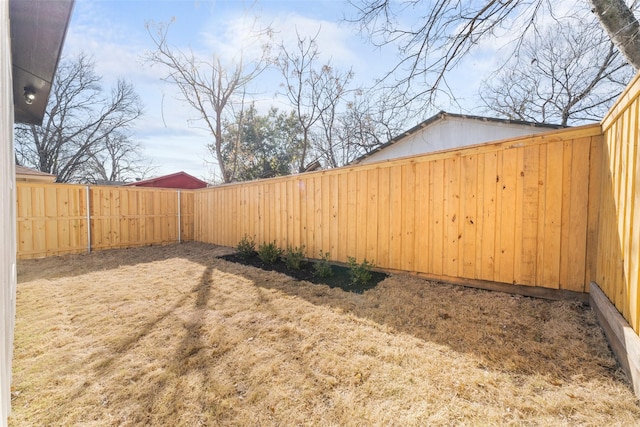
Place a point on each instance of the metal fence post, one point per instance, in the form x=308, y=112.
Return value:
x=88, y=220
x=179, y=220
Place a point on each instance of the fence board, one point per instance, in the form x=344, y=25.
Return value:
x=395, y=217
x=408, y=217
x=421, y=217
x=451, y=202
x=438, y=220
x=469, y=207
x=489, y=183
x=372, y=214
x=383, y=217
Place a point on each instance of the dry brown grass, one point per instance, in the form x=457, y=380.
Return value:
x=173, y=336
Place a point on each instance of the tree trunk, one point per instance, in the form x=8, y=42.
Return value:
x=622, y=26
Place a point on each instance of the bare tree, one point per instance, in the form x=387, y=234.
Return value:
x=371, y=118
x=326, y=141
x=78, y=122
x=313, y=90
x=208, y=86
x=120, y=161
x=568, y=73
x=447, y=30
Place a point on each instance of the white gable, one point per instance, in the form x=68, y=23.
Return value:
x=451, y=131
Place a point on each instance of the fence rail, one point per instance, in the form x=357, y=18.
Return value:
x=57, y=219
x=514, y=212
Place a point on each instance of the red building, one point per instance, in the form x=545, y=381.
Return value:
x=175, y=180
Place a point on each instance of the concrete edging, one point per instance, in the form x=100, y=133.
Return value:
x=623, y=340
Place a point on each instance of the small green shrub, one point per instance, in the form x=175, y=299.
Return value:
x=360, y=274
x=322, y=268
x=246, y=247
x=293, y=257
x=269, y=252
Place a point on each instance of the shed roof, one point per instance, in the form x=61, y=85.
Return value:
x=168, y=181
x=24, y=173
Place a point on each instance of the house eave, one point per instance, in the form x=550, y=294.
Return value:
x=38, y=30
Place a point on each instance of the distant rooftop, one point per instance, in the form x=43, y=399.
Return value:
x=24, y=174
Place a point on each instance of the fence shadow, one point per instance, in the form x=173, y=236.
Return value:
x=503, y=332
x=220, y=306
x=79, y=264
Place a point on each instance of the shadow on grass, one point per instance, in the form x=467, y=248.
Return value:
x=506, y=333
x=184, y=360
x=79, y=264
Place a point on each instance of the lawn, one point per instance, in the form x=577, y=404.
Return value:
x=174, y=336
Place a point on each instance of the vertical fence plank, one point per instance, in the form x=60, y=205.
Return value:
x=497, y=218
x=422, y=217
x=326, y=211
x=408, y=216
x=384, y=191
x=576, y=259
x=553, y=215
x=437, y=220
x=372, y=193
x=334, y=215
x=468, y=206
x=395, y=217
x=530, y=200
x=480, y=214
x=361, y=216
x=490, y=180
x=351, y=231
x=310, y=202
x=507, y=191
x=518, y=232
x=451, y=202
x=296, y=212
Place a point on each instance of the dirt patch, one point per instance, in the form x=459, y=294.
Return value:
x=339, y=277
x=176, y=336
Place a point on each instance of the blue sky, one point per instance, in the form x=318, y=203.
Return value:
x=114, y=33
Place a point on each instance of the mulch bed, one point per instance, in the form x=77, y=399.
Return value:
x=339, y=279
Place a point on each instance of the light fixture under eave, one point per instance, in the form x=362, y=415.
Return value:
x=29, y=95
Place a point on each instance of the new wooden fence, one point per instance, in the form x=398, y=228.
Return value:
x=514, y=212
x=618, y=243
x=551, y=211
x=53, y=218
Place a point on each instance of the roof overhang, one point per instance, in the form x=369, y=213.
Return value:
x=38, y=29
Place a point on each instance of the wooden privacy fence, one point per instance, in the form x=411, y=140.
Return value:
x=618, y=243
x=515, y=212
x=52, y=218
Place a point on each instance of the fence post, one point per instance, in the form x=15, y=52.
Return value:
x=179, y=220
x=88, y=220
